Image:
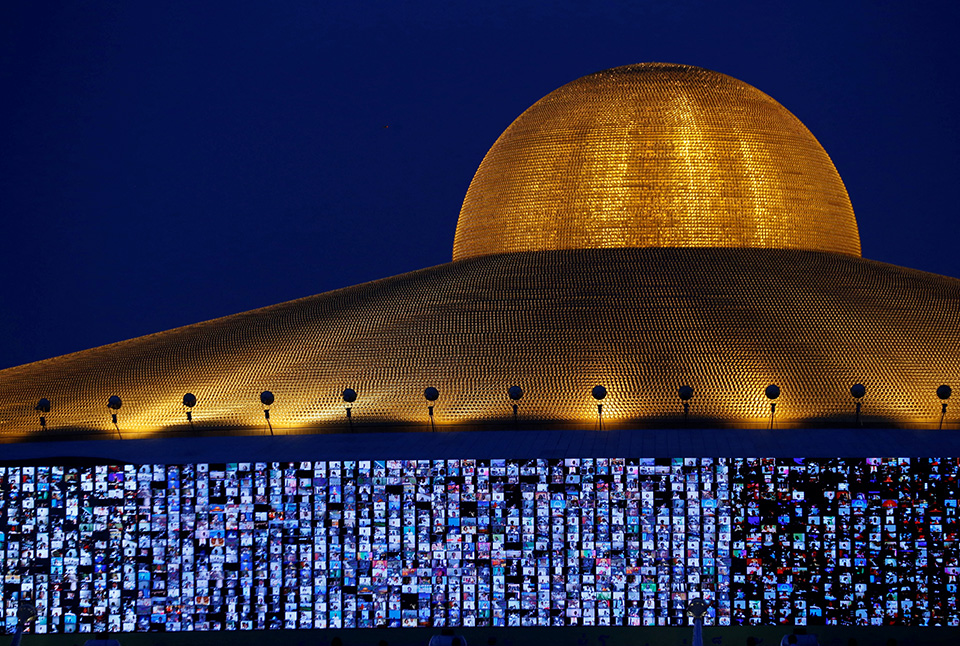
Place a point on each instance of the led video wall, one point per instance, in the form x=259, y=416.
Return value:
x=249, y=546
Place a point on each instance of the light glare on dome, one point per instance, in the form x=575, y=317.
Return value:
x=656, y=155
x=681, y=219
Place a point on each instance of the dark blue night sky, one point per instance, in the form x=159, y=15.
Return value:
x=168, y=163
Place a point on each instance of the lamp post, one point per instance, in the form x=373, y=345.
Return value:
x=686, y=394
x=43, y=407
x=267, y=399
x=349, y=396
x=515, y=393
x=857, y=391
x=599, y=392
x=772, y=392
x=431, y=394
x=943, y=392
x=190, y=400
x=114, y=403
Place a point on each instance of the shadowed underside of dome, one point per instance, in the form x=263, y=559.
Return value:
x=656, y=155
x=639, y=321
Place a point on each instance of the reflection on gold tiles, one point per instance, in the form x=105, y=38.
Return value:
x=640, y=321
x=641, y=228
x=656, y=155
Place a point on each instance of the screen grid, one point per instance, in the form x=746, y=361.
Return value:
x=547, y=542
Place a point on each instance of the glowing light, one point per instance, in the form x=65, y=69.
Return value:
x=662, y=219
x=656, y=155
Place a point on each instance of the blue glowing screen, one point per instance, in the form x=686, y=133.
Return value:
x=248, y=546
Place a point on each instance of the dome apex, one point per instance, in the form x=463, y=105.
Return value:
x=656, y=155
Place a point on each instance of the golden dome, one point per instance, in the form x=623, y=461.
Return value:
x=684, y=247
x=656, y=155
x=641, y=322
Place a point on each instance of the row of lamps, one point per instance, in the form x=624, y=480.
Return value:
x=431, y=394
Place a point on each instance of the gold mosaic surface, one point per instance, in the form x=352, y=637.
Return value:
x=656, y=155
x=641, y=322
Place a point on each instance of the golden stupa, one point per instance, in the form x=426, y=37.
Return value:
x=641, y=228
